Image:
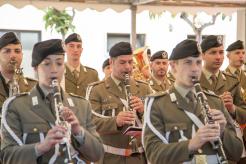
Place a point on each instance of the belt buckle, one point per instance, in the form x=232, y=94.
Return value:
x=128, y=152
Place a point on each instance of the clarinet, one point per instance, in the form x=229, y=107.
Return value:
x=128, y=92
x=65, y=144
x=217, y=145
x=133, y=141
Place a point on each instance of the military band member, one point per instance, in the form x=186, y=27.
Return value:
x=174, y=129
x=11, y=50
x=159, y=66
x=106, y=68
x=30, y=130
x=236, y=56
x=108, y=99
x=77, y=76
x=221, y=83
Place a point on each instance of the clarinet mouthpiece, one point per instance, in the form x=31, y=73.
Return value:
x=195, y=79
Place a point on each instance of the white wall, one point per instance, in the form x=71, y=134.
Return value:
x=93, y=26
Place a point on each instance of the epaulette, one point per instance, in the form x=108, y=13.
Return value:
x=74, y=95
x=96, y=83
x=141, y=81
x=30, y=79
x=22, y=94
x=90, y=68
x=157, y=94
x=229, y=74
x=210, y=93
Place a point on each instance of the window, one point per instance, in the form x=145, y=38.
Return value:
x=28, y=39
x=113, y=38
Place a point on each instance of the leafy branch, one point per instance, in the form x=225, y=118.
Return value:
x=60, y=21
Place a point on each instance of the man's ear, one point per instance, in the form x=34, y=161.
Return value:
x=173, y=66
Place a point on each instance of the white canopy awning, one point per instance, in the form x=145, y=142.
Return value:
x=155, y=6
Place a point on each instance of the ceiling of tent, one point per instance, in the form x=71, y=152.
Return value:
x=210, y=3
x=155, y=6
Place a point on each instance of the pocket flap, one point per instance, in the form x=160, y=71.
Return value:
x=36, y=128
x=175, y=126
x=109, y=106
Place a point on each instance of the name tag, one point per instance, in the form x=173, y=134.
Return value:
x=70, y=102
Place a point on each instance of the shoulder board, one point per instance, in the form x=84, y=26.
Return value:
x=96, y=83
x=140, y=81
x=210, y=93
x=229, y=74
x=74, y=95
x=30, y=79
x=22, y=94
x=157, y=94
x=90, y=68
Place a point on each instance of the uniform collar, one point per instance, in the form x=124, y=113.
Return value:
x=117, y=82
x=43, y=91
x=182, y=91
x=71, y=68
x=6, y=80
x=209, y=74
x=157, y=81
x=233, y=69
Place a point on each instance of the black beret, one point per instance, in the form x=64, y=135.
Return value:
x=238, y=45
x=73, y=38
x=8, y=38
x=186, y=48
x=105, y=63
x=45, y=48
x=121, y=48
x=159, y=55
x=210, y=42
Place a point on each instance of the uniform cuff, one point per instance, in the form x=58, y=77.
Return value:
x=80, y=137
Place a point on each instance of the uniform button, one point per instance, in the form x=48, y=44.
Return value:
x=78, y=87
x=175, y=128
x=35, y=129
x=199, y=151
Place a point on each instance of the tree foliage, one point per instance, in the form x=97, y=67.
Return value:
x=60, y=21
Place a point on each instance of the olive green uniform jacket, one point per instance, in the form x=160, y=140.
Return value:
x=25, y=85
x=227, y=82
x=105, y=99
x=242, y=80
x=241, y=113
x=87, y=75
x=30, y=118
x=159, y=87
x=167, y=116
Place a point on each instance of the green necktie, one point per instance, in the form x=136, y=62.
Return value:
x=75, y=74
x=214, y=81
x=192, y=100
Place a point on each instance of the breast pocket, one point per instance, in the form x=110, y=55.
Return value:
x=109, y=109
x=176, y=131
x=34, y=132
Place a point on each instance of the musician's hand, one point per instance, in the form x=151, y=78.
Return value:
x=137, y=104
x=219, y=117
x=125, y=118
x=70, y=117
x=209, y=132
x=228, y=101
x=54, y=136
